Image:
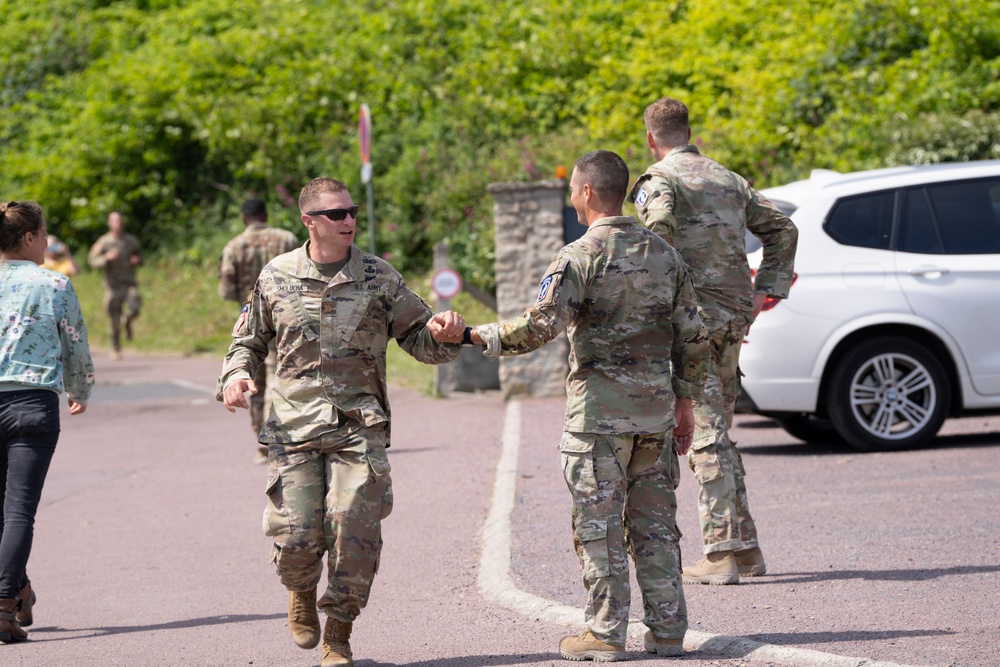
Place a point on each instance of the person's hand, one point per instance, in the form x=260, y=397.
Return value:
x=135, y=260
x=76, y=408
x=111, y=255
x=232, y=396
x=758, y=305
x=684, y=431
x=447, y=327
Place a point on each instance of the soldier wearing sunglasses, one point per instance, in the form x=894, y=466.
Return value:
x=330, y=308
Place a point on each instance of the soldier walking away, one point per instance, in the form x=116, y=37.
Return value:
x=624, y=297
x=118, y=254
x=242, y=260
x=704, y=210
x=331, y=309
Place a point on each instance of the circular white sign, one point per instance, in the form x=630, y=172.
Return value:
x=446, y=283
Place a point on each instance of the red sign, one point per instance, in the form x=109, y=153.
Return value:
x=365, y=134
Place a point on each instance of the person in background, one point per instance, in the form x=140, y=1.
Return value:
x=118, y=254
x=242, y=259
x=43, y=352
x=331, y=309
x=704, y=210
x=59, y=258
x=638, y=357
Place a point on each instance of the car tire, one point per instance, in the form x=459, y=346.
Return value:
x=888, y=393
x=809, y=428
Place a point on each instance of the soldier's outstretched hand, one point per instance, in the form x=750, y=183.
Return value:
x=233, y=395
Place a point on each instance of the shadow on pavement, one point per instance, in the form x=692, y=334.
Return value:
x=469, y=661
x=876, y=575
x=173, y=625
x=786, y=638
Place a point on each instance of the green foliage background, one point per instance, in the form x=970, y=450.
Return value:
x=173, y=111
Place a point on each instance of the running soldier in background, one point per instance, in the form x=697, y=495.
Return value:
x=625, y=300
x=242, y=259
x=118, y=254
x=704, y=210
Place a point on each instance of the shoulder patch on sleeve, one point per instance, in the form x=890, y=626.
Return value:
x=639, y=191
x=543, y=290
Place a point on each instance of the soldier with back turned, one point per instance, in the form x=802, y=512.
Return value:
x=242, y=260
x=704, y=210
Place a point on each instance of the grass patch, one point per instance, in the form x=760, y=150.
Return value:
x=182, y=313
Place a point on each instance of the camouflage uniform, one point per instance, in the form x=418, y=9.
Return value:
x=242, y=260
x=704, y=210
x=329, y=416
x=120, y=287
x=628, y=306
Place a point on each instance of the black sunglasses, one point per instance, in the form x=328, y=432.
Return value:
x=337, y=214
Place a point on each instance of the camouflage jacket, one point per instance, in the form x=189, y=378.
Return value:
x=624, y=297
x=119, y=272
x=331, y=337
x=703, y=209
x=246, y=254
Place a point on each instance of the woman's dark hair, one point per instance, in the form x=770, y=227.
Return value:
x=17, y=218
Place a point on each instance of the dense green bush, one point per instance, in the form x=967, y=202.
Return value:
x=175, y=110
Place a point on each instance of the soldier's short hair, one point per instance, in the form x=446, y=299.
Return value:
x=254, y=209
x=667, y=120
x=317, y=187
x=607, y=175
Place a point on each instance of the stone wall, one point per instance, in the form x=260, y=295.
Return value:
x=528, y=224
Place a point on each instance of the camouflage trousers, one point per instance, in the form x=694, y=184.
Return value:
x=623, y=502
x=260, y=403
x=116, y=299
x=329, y=496
x=723, y=508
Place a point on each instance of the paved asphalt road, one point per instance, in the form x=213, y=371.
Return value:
x=148, y=548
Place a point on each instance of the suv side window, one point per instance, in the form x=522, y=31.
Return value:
x=864, y=221
x=960, y=218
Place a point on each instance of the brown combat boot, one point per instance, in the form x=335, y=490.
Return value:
x=10, y=630
x=589, y=647
x=337, y=644
x=751, y=562
x=716, y=569
x=27, y=599
x=661, y=646
x=303, y=619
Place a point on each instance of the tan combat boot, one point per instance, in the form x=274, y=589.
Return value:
x=27, y=598
x=337, y=644
x=589, y=647
x=303, y=619
x=716, y=569
x=10, y=630
x=661, y=646
x=750, y=562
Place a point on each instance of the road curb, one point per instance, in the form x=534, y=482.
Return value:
x=498, y=587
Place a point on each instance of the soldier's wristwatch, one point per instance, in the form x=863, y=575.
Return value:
x=467, y=337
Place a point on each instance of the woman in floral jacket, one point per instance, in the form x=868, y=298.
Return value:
x=43, y=352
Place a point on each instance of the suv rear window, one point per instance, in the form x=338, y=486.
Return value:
x=864, y=221
x=952, y=218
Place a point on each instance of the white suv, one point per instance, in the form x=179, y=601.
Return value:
x=893, y=321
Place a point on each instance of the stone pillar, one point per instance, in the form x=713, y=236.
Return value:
x=528, y=224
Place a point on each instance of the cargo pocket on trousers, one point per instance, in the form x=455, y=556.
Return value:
x=379, y=464
x=592, y=536
x=275, y=513
x=705, y=463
